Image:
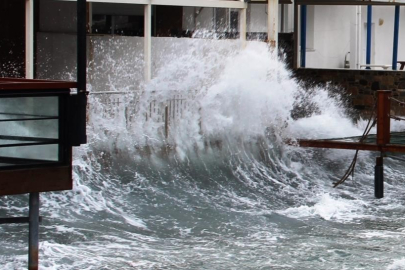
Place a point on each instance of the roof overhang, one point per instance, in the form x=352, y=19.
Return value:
x=266, y=1
x=351, y=2
x=184, y=3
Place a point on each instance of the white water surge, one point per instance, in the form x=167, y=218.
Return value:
x=218, y=188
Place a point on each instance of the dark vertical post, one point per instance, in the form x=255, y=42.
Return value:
x=33, y=238
x=303, y=34
x=396, y=34
x=383, y=138
x=81, y=71
x=379, y=178
x=166, y=121
x=295, y=64
x=369, y=21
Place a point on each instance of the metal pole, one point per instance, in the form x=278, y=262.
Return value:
x=369, y=21
x=80, y=101
x=396, y=34
x=379, y=178
x=303, y=34
x=33, y=238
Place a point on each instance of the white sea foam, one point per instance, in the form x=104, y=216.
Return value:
x=328, y=208
x=398, y=264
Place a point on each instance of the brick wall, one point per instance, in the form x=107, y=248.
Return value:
x=358, y=86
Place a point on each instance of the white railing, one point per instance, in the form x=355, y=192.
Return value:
x=125, y=106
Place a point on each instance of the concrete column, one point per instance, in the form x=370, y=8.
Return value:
x=148, y=42
x=29, y=39
x=272, y=20
x=355, y=38
x=242, y=26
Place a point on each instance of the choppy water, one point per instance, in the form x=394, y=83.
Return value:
x=223, y=191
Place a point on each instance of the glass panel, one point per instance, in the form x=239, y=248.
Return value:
x=32, y=128
x=29, y=130
x=29, y=106
x=34, y=152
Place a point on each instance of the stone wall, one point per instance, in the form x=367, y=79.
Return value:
x=358, y=86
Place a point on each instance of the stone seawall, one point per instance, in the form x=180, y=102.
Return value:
x=360, y=86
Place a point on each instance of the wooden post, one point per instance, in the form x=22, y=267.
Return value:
x=383, y=138
x=383, y=117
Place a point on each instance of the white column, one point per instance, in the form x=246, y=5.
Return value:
x=272, y=20
x=359, y=37
x=242, y=26
x=147, y=42
x=29, y=39
x=355, y=38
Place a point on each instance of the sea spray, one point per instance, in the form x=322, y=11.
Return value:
x=221, y=189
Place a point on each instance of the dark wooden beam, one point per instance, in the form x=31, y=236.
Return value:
x=351, y=145
x=35, y=180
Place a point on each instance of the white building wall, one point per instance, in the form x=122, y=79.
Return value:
x=331, y=36
x=383, y=34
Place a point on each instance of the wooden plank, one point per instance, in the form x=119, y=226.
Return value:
x=36, y=86
x=14, y=83
x=14, y=182
x=351, y=145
